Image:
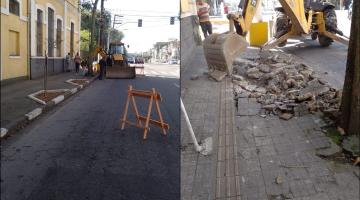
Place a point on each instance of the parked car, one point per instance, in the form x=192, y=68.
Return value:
x=139, y=60
x=131, y=60
x=173, y=61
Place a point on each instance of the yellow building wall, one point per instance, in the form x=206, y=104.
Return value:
x=72, y=16
x=3, y=3
x=14, y=66
x=18, y=66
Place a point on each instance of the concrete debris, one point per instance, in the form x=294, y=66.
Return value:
x=264, y=68
x=286, y=116
x=217, y=75
x=341, y=130
x=283, y=86
x=194, y=77
x=279, y=180
x=237, y=77
x=330, y=150
x=250, y=88
x=351, y=144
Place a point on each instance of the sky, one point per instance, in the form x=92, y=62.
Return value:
x=155, y=15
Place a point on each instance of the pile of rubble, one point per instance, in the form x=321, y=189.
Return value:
x=283, y=86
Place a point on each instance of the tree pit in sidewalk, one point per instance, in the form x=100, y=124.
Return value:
x=79, y=82
x=49, y=95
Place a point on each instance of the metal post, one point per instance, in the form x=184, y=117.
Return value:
x=198, y=148
x=45, y=73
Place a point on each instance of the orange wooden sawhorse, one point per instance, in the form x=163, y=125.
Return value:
x=153, y=95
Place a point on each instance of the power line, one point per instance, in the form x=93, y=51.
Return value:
x=144, y=11
x=158, y=16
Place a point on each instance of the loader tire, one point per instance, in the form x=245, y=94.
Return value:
x=281, y=26
x=330, y=25
x=324, y=41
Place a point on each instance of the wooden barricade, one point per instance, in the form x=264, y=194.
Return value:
x=152, y=95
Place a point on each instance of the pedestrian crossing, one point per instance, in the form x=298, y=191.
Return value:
x=174, y=73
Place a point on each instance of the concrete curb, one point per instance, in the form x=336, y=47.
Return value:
x=26, y=119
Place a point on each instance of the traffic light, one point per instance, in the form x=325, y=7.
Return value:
x=172, y=20
x=139, y=22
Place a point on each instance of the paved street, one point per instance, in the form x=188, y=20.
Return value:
x=162, y=70
x=77, y=151
x=329, y=62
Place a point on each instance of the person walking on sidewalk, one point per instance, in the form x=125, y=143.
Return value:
x=102, y=64
x=204, y=19
x=77, y=61
x=67, y=60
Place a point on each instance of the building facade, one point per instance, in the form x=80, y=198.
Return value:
x=32, y=28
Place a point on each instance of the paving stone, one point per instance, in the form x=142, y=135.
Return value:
x=266, y=150
x=221, y=154
x=261, y=141
x=230, y=168
x=229, y=140
x=248, y=165
x=221, y=187
x=252, y=180
x=296, y=173
x=271, y=162
x=231, y=186
x=247, y=153
x=302, y=188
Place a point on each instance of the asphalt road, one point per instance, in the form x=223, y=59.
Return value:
x=78, y=151
x=329, y=62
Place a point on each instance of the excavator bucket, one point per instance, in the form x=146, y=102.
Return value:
x=221, y=50
x=120, y=72
x=120, y=69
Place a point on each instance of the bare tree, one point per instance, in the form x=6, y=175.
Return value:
x=350, y=103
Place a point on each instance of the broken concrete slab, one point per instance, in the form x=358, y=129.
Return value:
x=286, y=116
x=330, y=150
x=218, y=75
x=351, y=144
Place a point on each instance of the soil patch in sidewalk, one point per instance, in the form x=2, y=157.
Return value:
x=80, y=82
x=49, y=95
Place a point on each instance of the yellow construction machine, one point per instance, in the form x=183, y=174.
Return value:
x=294, y=18
x=117, y=66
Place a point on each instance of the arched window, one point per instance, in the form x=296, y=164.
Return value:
x=14, y=7
x=39, y=33
x=51, y=40
x=58, y=37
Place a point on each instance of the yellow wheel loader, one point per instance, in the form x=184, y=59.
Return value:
x=117, y=66
x=294, y=18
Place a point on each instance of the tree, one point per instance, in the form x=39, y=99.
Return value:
x=87, y=12
x=84, y=40
x=350, y=102
x=116, y=35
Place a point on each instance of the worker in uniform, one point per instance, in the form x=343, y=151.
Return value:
x=204, y=19
x=102, y=64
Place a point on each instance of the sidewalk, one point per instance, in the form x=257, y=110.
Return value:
x=15, y=102
x=254, y=157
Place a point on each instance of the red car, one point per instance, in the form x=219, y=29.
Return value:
x=139, y=60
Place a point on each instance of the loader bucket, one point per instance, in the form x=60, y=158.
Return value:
x=221, y=50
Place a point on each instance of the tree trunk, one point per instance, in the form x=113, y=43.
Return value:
x=92, y=38
x=350, y=103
